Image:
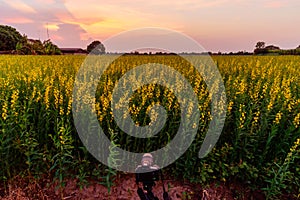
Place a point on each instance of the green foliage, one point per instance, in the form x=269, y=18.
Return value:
x=36, y=47
x=110, y=176
x=266, y=51
x=9, y=37
x=285, y=177
x=12, y=40
x=50, y=48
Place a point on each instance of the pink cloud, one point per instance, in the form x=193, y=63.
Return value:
x=17, y=20
x=275, y=4
x=45, y=1
x=69, y=35
x=20, y=6
x=56, y=37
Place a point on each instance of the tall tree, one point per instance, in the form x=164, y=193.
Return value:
x=260, y=45
x=96, y=47
x=9, y=37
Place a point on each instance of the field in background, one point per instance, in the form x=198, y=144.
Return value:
x=259, y=145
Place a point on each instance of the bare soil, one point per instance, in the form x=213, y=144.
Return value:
x=124, y=188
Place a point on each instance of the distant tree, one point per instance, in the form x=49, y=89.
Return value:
x=36, y=47
x=50, y=48
x=272, y=47
x=260, y=45
x=260, y=48
x=23, y=47
x=9, y=37
x=29, y=47
x=261, y=51
x=96, y=47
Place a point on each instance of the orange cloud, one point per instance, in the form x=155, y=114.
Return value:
x=90, y=21
x=102, y=20
x=53, y=27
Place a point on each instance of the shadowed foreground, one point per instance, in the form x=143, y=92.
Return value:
x=125, y=188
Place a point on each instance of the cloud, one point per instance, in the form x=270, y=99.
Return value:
x=72, y=23
x=56, y=38
x=45, y=1
x=90, y=21
x=51, y=26
x=20, y=6
x=17, y=20
x=274, y=4
x=192, y=4
x=70, y=35
x=105, y=19
x=35, y=17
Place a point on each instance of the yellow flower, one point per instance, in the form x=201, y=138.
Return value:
x=4, y=110
x=56, y=97
x=270, y=105
x=13, y=102
x=47, y=97
x=69, y=106
x=256, y=116
x=229, y=108
x=278, y=118
x=242, y=117
x=296, y=121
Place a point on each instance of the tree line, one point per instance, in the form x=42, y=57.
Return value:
x=262, y=49
x=12, y=42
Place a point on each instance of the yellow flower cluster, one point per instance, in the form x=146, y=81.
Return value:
x=293, y=150
x=229, y=108
x=278, y=117
x=4, y=110
x=242, y=116
x=297, y=120
x=253, y=86
x=256, y=117
x=14, y=101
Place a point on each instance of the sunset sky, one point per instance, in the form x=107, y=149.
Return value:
x=218, y=25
